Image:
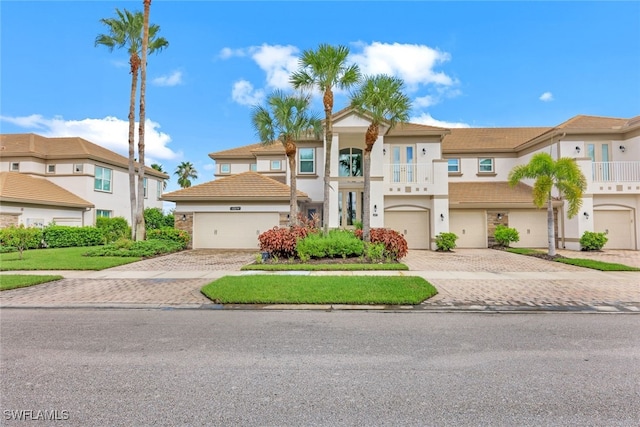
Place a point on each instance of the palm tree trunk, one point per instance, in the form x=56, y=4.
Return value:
x=366, y=220
x=134, y=62
x=328, y=107
x=551, y=229
x=293, y=208
x=140, y=226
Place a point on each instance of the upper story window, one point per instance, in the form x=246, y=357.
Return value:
x=15, y=167
x=51, y=168
x=102, y=180
x=276, y=165
x=253, y=167
x=78, y=168
x=453, y=165
x=307, y=160
x=145, y=186
x=225, y=168
x=350, y=162
x=159, y=185
x=485, y=165
x=101, y=213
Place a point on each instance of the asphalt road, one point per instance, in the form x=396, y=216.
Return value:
x=300, y=368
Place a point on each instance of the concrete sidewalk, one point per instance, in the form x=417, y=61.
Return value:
x=477, y=280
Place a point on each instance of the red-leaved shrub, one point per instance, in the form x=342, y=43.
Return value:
x=395, y=244
x=281, y=241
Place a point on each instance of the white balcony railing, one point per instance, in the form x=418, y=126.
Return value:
x=616, y=171
x=407, y=173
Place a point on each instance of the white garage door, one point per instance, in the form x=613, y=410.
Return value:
x=619, y=228
x=470, y=227
x=413, y=224
x=531, y=226
x=232, y=230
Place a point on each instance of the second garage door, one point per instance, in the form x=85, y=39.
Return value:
x=233, y=230
x=619, y=228
x=413, y=224
x=470, y=227
x=531, y=226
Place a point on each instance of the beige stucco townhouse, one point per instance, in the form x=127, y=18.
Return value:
x=425, y=180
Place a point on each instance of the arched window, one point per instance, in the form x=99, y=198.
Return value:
x=350, y=162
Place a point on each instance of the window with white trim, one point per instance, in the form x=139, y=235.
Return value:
x=51, y=168
x=485, y=165
x=453, y=165
x=15, y=167
x=253, y=167
x=145, y=186
x=350, y=162
x=102, y=179
x=101, y=213
x=307, y=160
x=276, y=165
x=159, y=185
x=225, y=168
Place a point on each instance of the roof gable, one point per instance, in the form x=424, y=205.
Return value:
x=23, y=188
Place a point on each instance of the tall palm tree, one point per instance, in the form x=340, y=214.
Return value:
x=186, y=172
x=382, y=99
x=160, y=168
x=563, y=174
x=285, y=118
x=125, y=30
x=324, y=69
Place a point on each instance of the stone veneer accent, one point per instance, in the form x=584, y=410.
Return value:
x=7, y=220
x=186, y=225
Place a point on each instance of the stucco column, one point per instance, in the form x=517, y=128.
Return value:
x=332, y=216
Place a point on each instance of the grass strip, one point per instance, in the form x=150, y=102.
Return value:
x=325, y=267
x=282, y=289
x=13, y=281
x=523, y=251
x=59, y=259
x=597, y=265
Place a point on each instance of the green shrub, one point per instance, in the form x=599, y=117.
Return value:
x=7, y=249
x=168, y=221
x=505, y=235
x=63, y=236
x=21, y=238
x=113, y=228
x=171, y=234
x=395, y=245
x=446, y=241
x=375, y=252
x=145, y=248
x=336, y=243
x=591, y=241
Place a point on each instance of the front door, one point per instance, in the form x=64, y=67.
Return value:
x=350, y=207
x=600, y=155
x=403, y=167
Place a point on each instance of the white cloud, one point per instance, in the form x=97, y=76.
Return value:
x=244, y=93
x=411, y=62
x=227, y=52
x=424, y=101
x=109, y=132
x=278, y=62
x=209, y=167
x=546, y=97
x=172, y=79
x=426, y=119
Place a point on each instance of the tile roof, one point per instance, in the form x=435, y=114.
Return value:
x=248, y=151
x=243, y=186
x=414, y=128
x=32, y=145
x=23, y=188
x=489, y=139
x=593, y=122
x=489, y=193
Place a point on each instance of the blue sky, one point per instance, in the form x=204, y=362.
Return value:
x=480, y=64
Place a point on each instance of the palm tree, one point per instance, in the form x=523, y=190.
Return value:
x=326, y=68
x=285, y=118
x=126, y=30
x=159, y=168
x=382, y=99
x=186, y=172
x=563, y=174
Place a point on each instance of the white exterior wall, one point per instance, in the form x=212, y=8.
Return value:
x=35, y=215
x=27, y=165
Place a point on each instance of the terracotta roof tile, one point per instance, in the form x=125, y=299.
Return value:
x=489, y=192
x=20, y=187
x=243, y=186
x=593, y=122
x=414, y=128
x=63, y=148
x=488, y=139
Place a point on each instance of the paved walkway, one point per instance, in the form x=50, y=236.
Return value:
x=467, y=279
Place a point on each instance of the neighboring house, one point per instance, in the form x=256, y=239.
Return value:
x=69, y=181
x=426, y=180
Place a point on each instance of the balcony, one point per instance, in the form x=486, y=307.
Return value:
x=405, y=178
x=618, y=177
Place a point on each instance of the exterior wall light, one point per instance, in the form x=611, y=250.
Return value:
x=499, y=216
x=375, y=208
x=384, y=151
x=424, y=151
x=623, y=148
x=184, y=217
x=578, y=149
x=441, y=217
x=586, y=215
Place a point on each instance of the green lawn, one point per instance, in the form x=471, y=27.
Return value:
x=325, y=267
x=13, y=281
x=59, y=259
x=282, y=289
x=597, y=265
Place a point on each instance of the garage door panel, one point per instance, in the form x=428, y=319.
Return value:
x=470, y=227
x=413, y=224
x=532, y=228
x=619, y=228
x=231, y=230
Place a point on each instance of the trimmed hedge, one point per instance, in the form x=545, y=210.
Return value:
x=336, y=243
x=171, y=234
x=128, y=248
x=113, y=228
x=63, y=236
x=26, y=237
